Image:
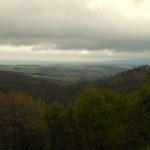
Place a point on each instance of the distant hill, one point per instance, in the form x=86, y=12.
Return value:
x=67, y=72
x=125, y=81
x=51, y=90
x=48, y=90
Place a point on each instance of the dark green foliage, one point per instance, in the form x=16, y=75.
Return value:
x=50, y=91
x=123, y=82
x=20, y=122
x=54, y=117
x=4, y=88
x=93, y=119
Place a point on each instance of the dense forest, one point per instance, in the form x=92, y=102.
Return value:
x=109, y=114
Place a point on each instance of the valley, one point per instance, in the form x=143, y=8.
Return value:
x=68, y=72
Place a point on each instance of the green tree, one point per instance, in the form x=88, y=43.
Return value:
x=93, y=118
x=20, y=122
x=54, y=117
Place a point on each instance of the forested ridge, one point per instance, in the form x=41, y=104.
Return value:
x=51, y=90
x=98, y=118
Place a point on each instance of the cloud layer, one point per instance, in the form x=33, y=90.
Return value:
x=117, y=25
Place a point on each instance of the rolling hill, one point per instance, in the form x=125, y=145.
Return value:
x=51, y=90
x=67, y=72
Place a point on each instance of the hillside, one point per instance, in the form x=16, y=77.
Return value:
x=67, y=72
x=48, y=90
x=125, y=81
x=51, y=90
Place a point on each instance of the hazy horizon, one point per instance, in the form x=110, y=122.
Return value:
x=130, y=62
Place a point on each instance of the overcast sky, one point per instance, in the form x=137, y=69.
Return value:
x=74, y=30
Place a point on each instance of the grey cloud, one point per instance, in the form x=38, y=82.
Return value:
x=70, y=25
